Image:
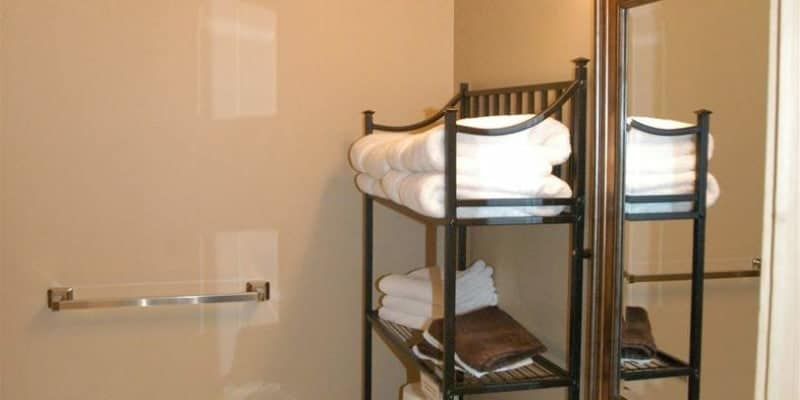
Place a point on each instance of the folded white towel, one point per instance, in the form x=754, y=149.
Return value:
x=677, y=145
x=476, y=280
x=426, y=202
x=424, y=193
x=396, y=183
x=391, y=184
x=650, y=161
x=712, y=195
x=647, y=153
x=460, y=363
x=533, y=150
x=652, y=184
x=407, y=320
x=435, y=310
x=368, y=154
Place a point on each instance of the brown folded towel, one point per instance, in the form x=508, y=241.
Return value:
x=637, y=335
x=489, y=339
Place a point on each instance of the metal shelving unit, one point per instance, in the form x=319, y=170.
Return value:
x=665, y=366
x=547, y=100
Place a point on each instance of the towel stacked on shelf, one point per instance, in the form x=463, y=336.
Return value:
x=638, y=344
x=663, y=165
x=409, y=169
x=414, y=299
x=486, y=340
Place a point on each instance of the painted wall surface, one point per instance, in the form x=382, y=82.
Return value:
x=153, y=147
x=681, y=61
x=509, y=43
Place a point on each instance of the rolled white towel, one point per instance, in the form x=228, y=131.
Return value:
x=391, y=184
x=369, y=185
x=369, y=153
x=535, y=149
x=712, y=195
x=424, y=193
x=407, y=320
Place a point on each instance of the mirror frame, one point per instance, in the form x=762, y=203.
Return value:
x=607, y=271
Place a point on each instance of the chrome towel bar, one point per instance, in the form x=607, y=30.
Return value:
x=63, y=298
x=687, y=277
x=753, y=273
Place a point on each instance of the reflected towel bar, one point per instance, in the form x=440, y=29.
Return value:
x=687, y=277
x=63, y=298
x=754, y=273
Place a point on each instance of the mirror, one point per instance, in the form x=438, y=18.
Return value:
x=679, y=56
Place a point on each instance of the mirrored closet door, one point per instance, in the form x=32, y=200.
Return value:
x=692, y=81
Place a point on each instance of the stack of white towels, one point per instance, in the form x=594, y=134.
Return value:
x=415, y=299
x=409, y=168
x=664, y=165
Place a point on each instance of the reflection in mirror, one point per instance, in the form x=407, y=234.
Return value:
x=681, y=56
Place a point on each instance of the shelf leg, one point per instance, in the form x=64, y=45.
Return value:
x=450, y=255
x=698, y=255
x=576, y=310
x=367, y=249
x=450, y=248
x=462, y=247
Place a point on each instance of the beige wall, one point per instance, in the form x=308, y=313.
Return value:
x=159, y=147
x=681, y=62
x=514, y=42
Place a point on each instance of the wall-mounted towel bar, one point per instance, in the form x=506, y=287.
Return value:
x=754, y=273
x=63, y=298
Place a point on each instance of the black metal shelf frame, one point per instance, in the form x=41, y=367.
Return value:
x=665, y=365
x=510, y=100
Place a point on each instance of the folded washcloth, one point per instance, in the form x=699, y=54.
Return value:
x=426, y=351
x=426, y=284
x=638, y=343
x=534, y=150
x=368, y=154
x=400, y=318
x=683, y=184
x=487, y=340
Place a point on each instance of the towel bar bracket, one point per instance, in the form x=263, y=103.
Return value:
x=63, y=298
x=56, y=295
x=261, y=288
